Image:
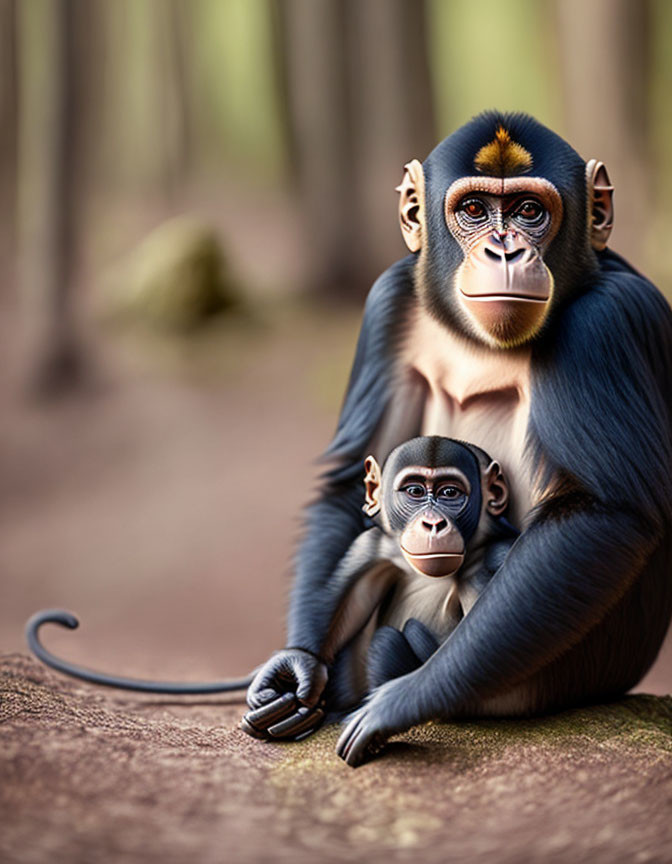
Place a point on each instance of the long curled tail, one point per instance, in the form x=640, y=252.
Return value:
x=67, y=619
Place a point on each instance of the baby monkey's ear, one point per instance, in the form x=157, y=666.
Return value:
x=496, y=489
x=372, y=486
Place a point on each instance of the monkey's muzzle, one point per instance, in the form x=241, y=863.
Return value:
x=505, y=285
x=433, y=545
x=434, y=564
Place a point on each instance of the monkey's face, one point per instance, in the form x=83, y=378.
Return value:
x=433, y=495
x=505, y=217
x=503, y=287
x=425, y=506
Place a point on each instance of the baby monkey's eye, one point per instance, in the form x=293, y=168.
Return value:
x=414, y=490
x=450, y=492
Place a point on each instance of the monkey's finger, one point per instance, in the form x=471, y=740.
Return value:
x=302, y=721
x=310, y=683
x=346, y=736
x=268, y=694
x=262, y=697
x=252, y=730
x=259, y=684
x=364, y=746
x=350, y=752
x=306, y=733
x=274, y=712
x=266, y=678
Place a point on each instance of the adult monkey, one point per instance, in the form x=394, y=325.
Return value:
x=510, y=325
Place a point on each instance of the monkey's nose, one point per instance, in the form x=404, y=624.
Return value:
x=502, y=255
x=434, y=526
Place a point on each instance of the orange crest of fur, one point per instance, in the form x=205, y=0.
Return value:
x=502, y=157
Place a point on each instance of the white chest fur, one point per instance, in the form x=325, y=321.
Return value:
x=473, y=393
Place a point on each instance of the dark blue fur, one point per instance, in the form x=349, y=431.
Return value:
x=372, y=373
x=600, y=393
x=393, y=653
x=389, y=656
x=336, y=519
x=580, y=606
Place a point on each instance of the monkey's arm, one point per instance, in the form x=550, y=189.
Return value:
x=582, y=550
x=362, y=585
x=493, y=558
x=336, y=519
x=558, y=581
x=285, y=694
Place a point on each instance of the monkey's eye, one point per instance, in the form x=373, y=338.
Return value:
x=530, y=212
x=450, y=492
x=414, y=490
x=474, y=209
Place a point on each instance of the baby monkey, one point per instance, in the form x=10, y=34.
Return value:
x=439, y=534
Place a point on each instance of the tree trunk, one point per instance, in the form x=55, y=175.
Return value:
x=8, y=125
x=604, y=50
x=313, y=37
x=391, y=100
x=46, y=165
x=359, y=106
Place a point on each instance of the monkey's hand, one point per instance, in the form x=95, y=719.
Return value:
x=385, y=712
x=286, y=696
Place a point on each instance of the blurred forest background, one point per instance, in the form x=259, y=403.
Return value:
x=195, y=196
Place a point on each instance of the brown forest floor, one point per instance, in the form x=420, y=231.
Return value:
x=88, y=777
x=162, y=508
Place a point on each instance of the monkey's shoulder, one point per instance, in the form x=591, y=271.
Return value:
x=620, y=311
x=371, y=378
x=605, y=373
x=371, y=548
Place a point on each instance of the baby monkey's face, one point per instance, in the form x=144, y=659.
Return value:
x=432, y=495
x=426, y=504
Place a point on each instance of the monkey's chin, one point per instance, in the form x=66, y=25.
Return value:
x=434, y=564
x=505, y=321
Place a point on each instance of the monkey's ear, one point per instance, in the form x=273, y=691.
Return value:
x=600, y=203
x=497, y=489
x=372, y=486
x=412, y=205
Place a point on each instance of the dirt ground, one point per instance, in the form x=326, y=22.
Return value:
x=88, y=777
x=162, y=508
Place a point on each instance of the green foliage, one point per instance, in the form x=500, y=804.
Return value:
x=234, y=84
x=130, y=122
x=186, y=82
x=492, y=54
